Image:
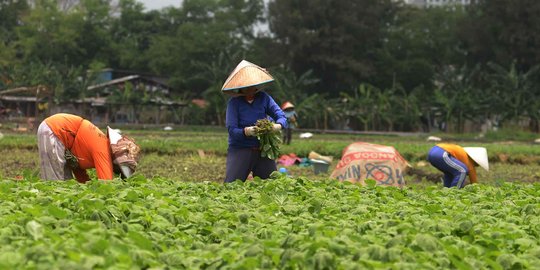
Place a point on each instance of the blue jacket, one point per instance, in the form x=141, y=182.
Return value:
x=241, y=114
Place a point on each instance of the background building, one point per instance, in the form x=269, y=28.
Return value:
x=435, y=3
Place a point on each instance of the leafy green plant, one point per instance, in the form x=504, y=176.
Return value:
x=269, y=138
x=285, y=222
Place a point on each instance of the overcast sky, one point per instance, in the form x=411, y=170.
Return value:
x=159, y=4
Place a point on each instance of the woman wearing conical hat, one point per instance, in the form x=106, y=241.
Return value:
x=457, y=162
x=292, y=123
x=247, y=105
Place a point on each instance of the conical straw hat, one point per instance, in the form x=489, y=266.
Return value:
x=287, y=105
x=246, y=74
x=479, y=155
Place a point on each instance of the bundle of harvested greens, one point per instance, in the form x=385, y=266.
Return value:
x=71, y=159
x=268, y=138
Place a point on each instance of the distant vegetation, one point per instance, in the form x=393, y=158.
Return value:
x=358, y=64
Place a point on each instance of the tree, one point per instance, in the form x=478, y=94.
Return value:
x=11, y=13
x=94, y=39
x=336, y=39
x=503, y=31
x=417, y=43
x=203, y=30
x=132, y=33
x=72, y=38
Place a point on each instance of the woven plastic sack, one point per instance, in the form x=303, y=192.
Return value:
x=361, y=161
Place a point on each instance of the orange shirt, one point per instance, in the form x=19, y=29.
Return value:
x=459, y=153
x=89, y=144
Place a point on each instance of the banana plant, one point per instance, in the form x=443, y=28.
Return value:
x=362, y=104
x=309, y=111
x=215, y=74
x=404, y=110
x=516, y=93
x=458, y=97
x=128, y=97
x=288, y=86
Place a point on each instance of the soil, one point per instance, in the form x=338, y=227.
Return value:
x=209, y=167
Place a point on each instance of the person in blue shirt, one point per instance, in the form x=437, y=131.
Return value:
x=247, y=105
x=292, y=121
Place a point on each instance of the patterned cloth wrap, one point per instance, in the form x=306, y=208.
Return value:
x=126, y=152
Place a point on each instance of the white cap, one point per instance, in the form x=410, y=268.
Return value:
x=479, y=155
x=114, y=135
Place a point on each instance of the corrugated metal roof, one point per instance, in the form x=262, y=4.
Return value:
x=18, y=98
x=112, y=82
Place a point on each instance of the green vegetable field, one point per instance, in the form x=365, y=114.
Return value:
x=175, y=214
x=282, y=223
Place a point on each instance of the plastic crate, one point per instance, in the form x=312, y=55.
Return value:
x=320, y=166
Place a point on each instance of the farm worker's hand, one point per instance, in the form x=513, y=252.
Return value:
x=276, y=127
x=249, y=131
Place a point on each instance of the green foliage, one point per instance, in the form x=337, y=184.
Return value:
x=128, y=98
x=502, y=31
x=11, y=12
x=319, y=55
x=62, y=83
x=506, y=134
x=515, y=93
x=290, y=87
x=184, y=145
x=214, y=75
x=458, y=97
x=334, y=39
x=418, y=43
x=132, y=33
x=80, y=32
x=205, y=29
x=278, y=223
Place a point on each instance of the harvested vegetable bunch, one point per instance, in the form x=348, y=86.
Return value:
x=71, y=160
x=268, y=137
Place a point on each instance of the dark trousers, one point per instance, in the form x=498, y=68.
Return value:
x=454, y=170
x=240, y=162
x=287, y=134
